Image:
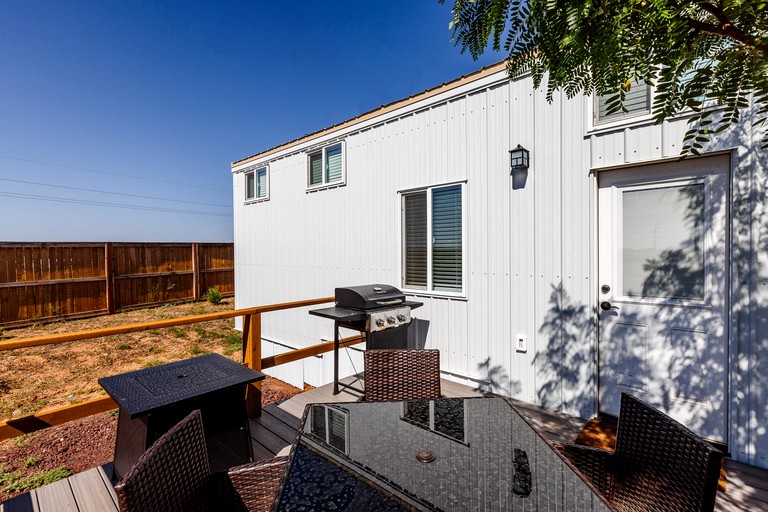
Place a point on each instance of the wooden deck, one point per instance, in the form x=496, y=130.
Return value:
x=274, y=431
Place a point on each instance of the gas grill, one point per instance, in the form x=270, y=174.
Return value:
x=379, y=311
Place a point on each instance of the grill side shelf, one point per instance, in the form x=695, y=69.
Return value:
x=340, y=314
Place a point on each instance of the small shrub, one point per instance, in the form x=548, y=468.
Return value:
x=197, y=350
x=153, y=333
x=20, y=442
x=197, y=310
x=123, y=346
x=153, y=362
x=1, y=332
x=30, y=461
x=11, y=482
x=201, y=332
x=214, y=296
x=177, y=332
x=232, y=343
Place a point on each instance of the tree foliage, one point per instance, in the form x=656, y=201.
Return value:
x=698, y=55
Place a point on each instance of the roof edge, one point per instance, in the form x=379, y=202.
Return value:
x=384, y=109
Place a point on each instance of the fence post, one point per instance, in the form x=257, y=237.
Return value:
x=109, y=278
x=252, y=358
x=195, y=271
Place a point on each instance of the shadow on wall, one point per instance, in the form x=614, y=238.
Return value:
x=498, y=379
x=566, y=361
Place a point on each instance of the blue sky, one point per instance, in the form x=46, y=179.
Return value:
x=152, y=101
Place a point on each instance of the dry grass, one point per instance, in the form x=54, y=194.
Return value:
x=49, y=376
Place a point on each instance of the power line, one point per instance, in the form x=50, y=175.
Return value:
x=113, y=193
x=111, y=205
x=97, y=171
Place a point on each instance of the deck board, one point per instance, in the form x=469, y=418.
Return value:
x=91, y=492
x=26, y=502
x=57, y=496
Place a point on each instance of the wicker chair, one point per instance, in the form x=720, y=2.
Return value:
x=401, y=375
x=658, y=464
x=174, y=474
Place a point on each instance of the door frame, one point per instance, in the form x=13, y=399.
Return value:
x=730, y=310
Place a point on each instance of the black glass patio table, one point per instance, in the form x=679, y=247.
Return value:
x=448, y=454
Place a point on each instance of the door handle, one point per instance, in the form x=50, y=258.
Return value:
x=606, y=306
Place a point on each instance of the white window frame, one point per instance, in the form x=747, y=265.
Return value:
x=254, y=171
x=322, y=151
x=430, y=286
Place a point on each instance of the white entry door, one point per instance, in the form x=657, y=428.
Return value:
x=663, y=278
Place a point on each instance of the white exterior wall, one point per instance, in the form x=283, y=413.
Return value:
x=530, y=261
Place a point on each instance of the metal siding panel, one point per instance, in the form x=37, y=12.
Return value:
x=547, y=342
x=523, y=109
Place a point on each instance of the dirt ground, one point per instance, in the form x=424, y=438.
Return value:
x=38, y=378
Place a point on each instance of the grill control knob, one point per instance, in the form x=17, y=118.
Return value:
x=380, y=322
x=391, y=320
x=401, y=317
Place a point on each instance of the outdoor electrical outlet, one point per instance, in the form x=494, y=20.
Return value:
x=521, y=345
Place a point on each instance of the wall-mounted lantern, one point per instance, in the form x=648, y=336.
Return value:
x=519, y=158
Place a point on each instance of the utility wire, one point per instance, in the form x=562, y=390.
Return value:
x=111, y=205
x=97, y=171
x=113, y=193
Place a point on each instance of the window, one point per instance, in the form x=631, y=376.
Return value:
x=257, y=184
x=444, y=416
x=637, y=101
x=326, y=166
x=329, y=425
x=433, y=239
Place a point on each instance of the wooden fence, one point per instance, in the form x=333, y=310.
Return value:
x=40, y=282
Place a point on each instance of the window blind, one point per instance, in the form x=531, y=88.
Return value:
x=333, y=164
x=446, y=239
x=249, y=186
x=415, y=265
x=316, y=169
x=337, y=431
x=261, y=183
x=636, y=101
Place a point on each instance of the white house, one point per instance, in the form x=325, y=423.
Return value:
x=607, y=265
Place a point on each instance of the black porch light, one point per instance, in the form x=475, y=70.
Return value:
x=519, y=158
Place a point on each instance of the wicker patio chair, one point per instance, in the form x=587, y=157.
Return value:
x=174, y=474
x=657, y=465
x=401, y=374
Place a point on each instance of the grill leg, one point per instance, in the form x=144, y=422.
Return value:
x=335, y=358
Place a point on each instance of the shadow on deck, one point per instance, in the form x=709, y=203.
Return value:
x=274, y=432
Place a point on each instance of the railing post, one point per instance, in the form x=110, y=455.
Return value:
x=252, y=358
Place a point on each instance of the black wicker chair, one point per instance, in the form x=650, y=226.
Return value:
x=401, y=375
x=174, y=474
x=658, y=464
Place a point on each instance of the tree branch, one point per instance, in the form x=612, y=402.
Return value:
x=725, y=28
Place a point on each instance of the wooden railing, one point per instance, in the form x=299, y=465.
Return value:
x=251, y=358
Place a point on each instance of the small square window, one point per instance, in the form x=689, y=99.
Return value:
x=257, y=184
x=637, y=102
x=326, y=166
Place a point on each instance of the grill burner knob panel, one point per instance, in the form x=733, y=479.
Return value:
x=388, y=318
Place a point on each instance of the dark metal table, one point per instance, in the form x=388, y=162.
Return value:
x=448, y=454
x=152, y=400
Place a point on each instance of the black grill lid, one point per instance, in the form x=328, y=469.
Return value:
x=369, y=296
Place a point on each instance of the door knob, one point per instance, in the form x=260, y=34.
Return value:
x=606, y=306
